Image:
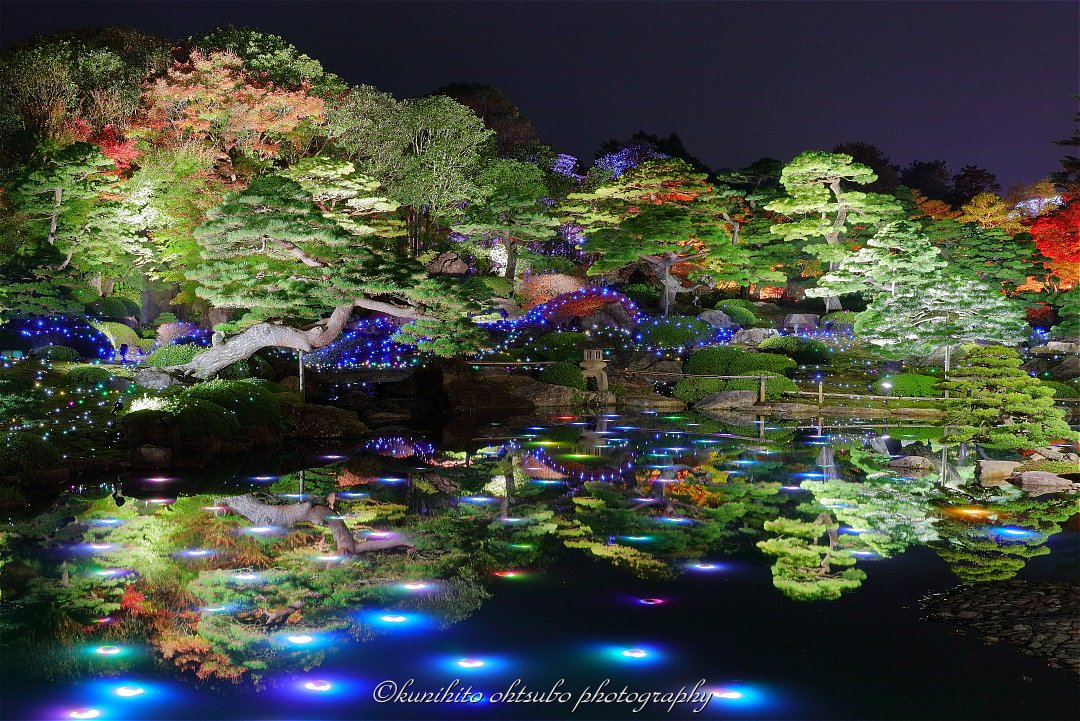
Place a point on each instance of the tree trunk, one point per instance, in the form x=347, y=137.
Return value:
x=273, y=335
x=511, y=258
x=292, y=514
x=58, y=196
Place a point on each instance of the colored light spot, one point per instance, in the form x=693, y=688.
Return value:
x=301, y=639
x=215, y=508
x=107, y=522
x=101, y=546
x=246, y=576
x=318, y=685
x=650, y=601
x=260, y=530
x=414, y=586
x=470, y=663
x=215, y=609
x=129, y=691
x=197, y=552
x=391, y=618
x=107, y=650
x=84, y=713
x=329, y=559
x=264, y=478
x=720, y=693
x=506, y=574
x=635, y=653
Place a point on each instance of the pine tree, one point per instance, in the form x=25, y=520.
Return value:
x=898, y=256
x=819, y=207
x=992, y=400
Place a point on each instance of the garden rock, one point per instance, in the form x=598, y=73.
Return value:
x=994, y=473
x=155, y=379
x=801, y=321
x=448, y=263
x=716, y=318
x=540, y=395
x=918, y=464
x=305, y=420
x=150, y=457
x=1067, y=369
x=726, y=400
x=753, y=336
x=1060, y=346
x=766, y=306
x=612, y=315
x=1039, y=482
x=651, y=402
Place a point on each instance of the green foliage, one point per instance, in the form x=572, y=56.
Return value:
x=27, y=452
x=752, y=363
x=1062, y=390
x=674, y=332
x=738, y=313
x=559, y=346
x=120, y=334
x=804, y=351
x=198, y=418
x=109, y=307
x=915, y=385
x=839, y=319
x=563, y=374
x=992, y=400
x=644, y=295
x=250, y=404
x=173, y=355
x=271, y=57
x=57, y=353
x=485, y=287
x=713, y=361
x=692, y=390
x=87, y=375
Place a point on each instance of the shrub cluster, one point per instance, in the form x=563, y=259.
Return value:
x=674, y=332
x=249, y=403
x=914, y=385
x=740, y=311
x=559, y=346
x=196, y=417
x=57, y=353
x=804, y=351
x=173, y=355
x=88, y=375
x=693, y=390
x=563, y=374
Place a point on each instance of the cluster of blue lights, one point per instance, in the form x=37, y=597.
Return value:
x=399, y=447
x=60, y=330
x=542, y=314
x=369, y=344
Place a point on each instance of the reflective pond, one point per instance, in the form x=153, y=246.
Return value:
x=646, y=566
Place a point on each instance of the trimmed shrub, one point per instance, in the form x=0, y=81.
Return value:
x=803, y=350
x=108, y=307
x=57, y=353
x=674, y=332
x=1062, y=390
x=693, y=390
x=163, y=318
x=249, y=404
x=563, y=374
x=88, y=375
x=839, y=319
x=642, y=294
x=197, y=417
x=915, y=385
x=738, y=314
x=753, y=363
x=713, y=361
x=21, y=452
x=173, y=355
x=120, y=334
x=271, y=386
x=559, y=346
x=483, y=287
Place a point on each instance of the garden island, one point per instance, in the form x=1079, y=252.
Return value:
x=308, y=392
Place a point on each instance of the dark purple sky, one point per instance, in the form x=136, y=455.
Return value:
x=988, y=83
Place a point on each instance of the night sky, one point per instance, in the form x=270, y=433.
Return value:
x=985, y=83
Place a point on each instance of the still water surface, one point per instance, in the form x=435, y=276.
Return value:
x=771, y=572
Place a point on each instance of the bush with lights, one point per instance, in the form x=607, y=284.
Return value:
x=673, y=332
x=198, y=418
x=251, y=404
x=87, y=375
x=693, y=390
x=60, y=353
x=27, y=452
x=805, y=351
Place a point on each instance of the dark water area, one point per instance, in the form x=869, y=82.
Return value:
x=699, y=610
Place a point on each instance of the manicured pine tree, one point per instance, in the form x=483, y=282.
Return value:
x=820, y=205
x=805, y=568
x=992, y=400
x=512, y=209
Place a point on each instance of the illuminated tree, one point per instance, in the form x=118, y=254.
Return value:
x=805, y=568
x=212, y=100
x=990, y=254
x=989, y=211
x=898, y=256
x=946, y=311
x=820, y=208
x=304, y=265
x=511, y=210
x=992, y=400
x=1057, y=234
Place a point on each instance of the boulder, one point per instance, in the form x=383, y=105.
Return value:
x=1061, y=346
x=651, y=402
x=1040, y=482
x=726, y=400
x=994, y=473
x=1053, y=454
x=540, y=395
x=306, y=420
x=753, y=336
x=150, y=457
x=917, y=464
x=801, y=321
x=155, y=379
x=764, y=305
x=448, y=263
x=716, y=318
x=1066, y=369
x=791, y=410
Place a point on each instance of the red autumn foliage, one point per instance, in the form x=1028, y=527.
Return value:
x=539, y=289
x=1057, y=234
x=116, y=148
x=1040, y=315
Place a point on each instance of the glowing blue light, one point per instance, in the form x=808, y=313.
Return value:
x=1012, y=532
x=129, y=691
x=650, y=601
x=108, y=650
x=318, y=685
x=84, y=713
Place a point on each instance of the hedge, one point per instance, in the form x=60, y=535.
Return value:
x=249, y=403
x=173, y=355
x=912, y=385
x=803, y=350
x=563, y=374
x=674, y=332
